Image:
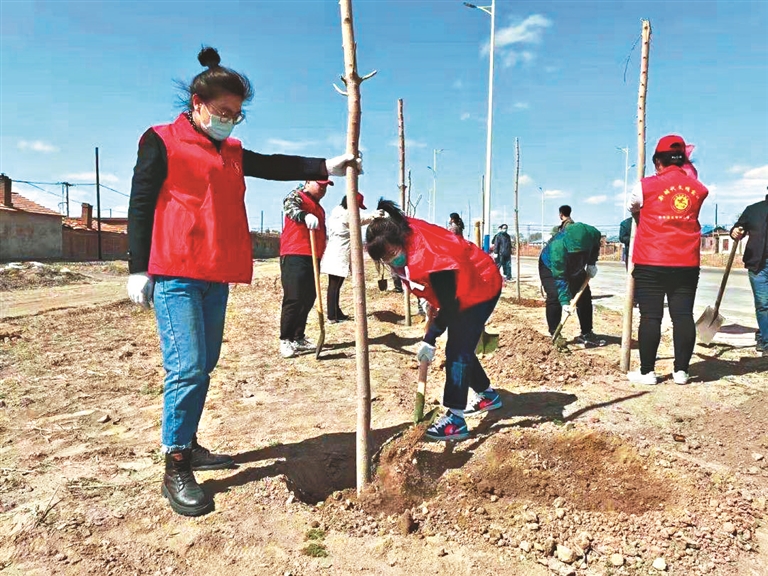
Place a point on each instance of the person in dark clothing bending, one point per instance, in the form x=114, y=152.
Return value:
x=625, y=235
x=567, y=260
x=188, y=240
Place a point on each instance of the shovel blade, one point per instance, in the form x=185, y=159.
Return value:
x=488, y=343
x=321, y=339
x=708, y=325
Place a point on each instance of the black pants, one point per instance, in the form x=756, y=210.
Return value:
x=334, y=287
x=679, y=285
x=298, y=281
x=505, y=264
x=555, y=309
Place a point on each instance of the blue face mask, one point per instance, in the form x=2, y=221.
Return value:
x=217, y=128
x=399, y=261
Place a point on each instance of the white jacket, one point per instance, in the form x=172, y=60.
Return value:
x=336, y=257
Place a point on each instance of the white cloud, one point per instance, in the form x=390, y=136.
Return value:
x=37, y=146
x=596, y=199
x=409, y=143
x=289, y=146
x=90, y=177
x=760, y=173
x=749, y=188
x=738, y=169
x=529, y=31
x=618, y=183
x=465, y=116
x=511, y=58
x=554, y=194
x=525, y=180
x=521, y=105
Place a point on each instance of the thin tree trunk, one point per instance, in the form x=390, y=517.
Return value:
x=353, y=81
x=626, y=333
x=403, y=199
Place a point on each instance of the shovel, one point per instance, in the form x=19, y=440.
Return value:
x=710, y=321
x=575, y=300
x=319, y=300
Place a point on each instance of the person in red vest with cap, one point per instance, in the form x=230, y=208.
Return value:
x=303, y=213
x=463, y=283
x=188, y=240
x=667, y=256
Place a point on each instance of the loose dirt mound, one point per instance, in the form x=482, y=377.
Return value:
x=36, y=275
x=528, y=356
x=596, y=472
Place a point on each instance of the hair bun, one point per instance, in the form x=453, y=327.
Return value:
x=209, y=57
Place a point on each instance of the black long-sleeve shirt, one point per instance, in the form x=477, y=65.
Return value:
x=152, y=169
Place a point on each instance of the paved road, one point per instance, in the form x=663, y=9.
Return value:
x=609, y=287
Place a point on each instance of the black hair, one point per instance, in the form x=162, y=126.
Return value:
x=674, y=157
x=215, y=80
x=503, y=226
x=344, y=202
x=457, y=219
x=392, y=230
x=565, y=210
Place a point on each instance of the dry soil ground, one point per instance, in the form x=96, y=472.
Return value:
x=579, y=472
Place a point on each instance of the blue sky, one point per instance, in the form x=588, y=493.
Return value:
x=75, y=75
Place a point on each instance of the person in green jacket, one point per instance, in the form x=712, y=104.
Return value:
x=567, y=260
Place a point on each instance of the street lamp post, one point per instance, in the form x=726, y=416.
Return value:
x=433, y=168
x=491, y=11
x=626, y=174
x=542, y=215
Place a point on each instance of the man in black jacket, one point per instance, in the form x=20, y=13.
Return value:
x=754, y=221
x=625, y=235
x=502, y=248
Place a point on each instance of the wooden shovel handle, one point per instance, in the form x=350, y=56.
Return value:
x=727, y=272
x=316, y=271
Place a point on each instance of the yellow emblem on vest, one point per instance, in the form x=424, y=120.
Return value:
x=680, y=202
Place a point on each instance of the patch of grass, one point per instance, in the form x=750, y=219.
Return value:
x=315, y=550
x=273, y=443
x=315, y=534
x=150, y=389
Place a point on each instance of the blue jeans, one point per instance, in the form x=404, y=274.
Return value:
x=462, y=368
x=190, y=319
x=759, y=282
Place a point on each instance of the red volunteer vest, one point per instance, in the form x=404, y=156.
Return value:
x=431, y=248
x=668, y=233
x=294, y=241
x=201, y=228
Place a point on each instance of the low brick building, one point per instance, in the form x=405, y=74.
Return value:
x=28, y=231
x=80, y=238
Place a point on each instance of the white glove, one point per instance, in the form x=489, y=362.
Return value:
x=140, y=288
x=425, y=353
x=568, y=309
x=311, y=221
x=337, y=166
x=592, y=270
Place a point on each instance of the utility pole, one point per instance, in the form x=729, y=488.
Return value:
x=262, y=221
x=517, y=215
x=98, y=203
x=542, y=217
x=65, y=190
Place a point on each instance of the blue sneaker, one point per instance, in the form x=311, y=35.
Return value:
x=483, y=402
x=448, y=427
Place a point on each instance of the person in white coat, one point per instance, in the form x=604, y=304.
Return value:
x=335, y=260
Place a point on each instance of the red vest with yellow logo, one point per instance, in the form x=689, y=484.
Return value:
x=201, y=228
x=668, y=233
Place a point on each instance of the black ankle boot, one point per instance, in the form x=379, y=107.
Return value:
x=184, y=494
x=202, y=459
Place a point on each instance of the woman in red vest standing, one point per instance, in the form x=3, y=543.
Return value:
x=188, y=239
x=667, y=255
x=463, y=283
